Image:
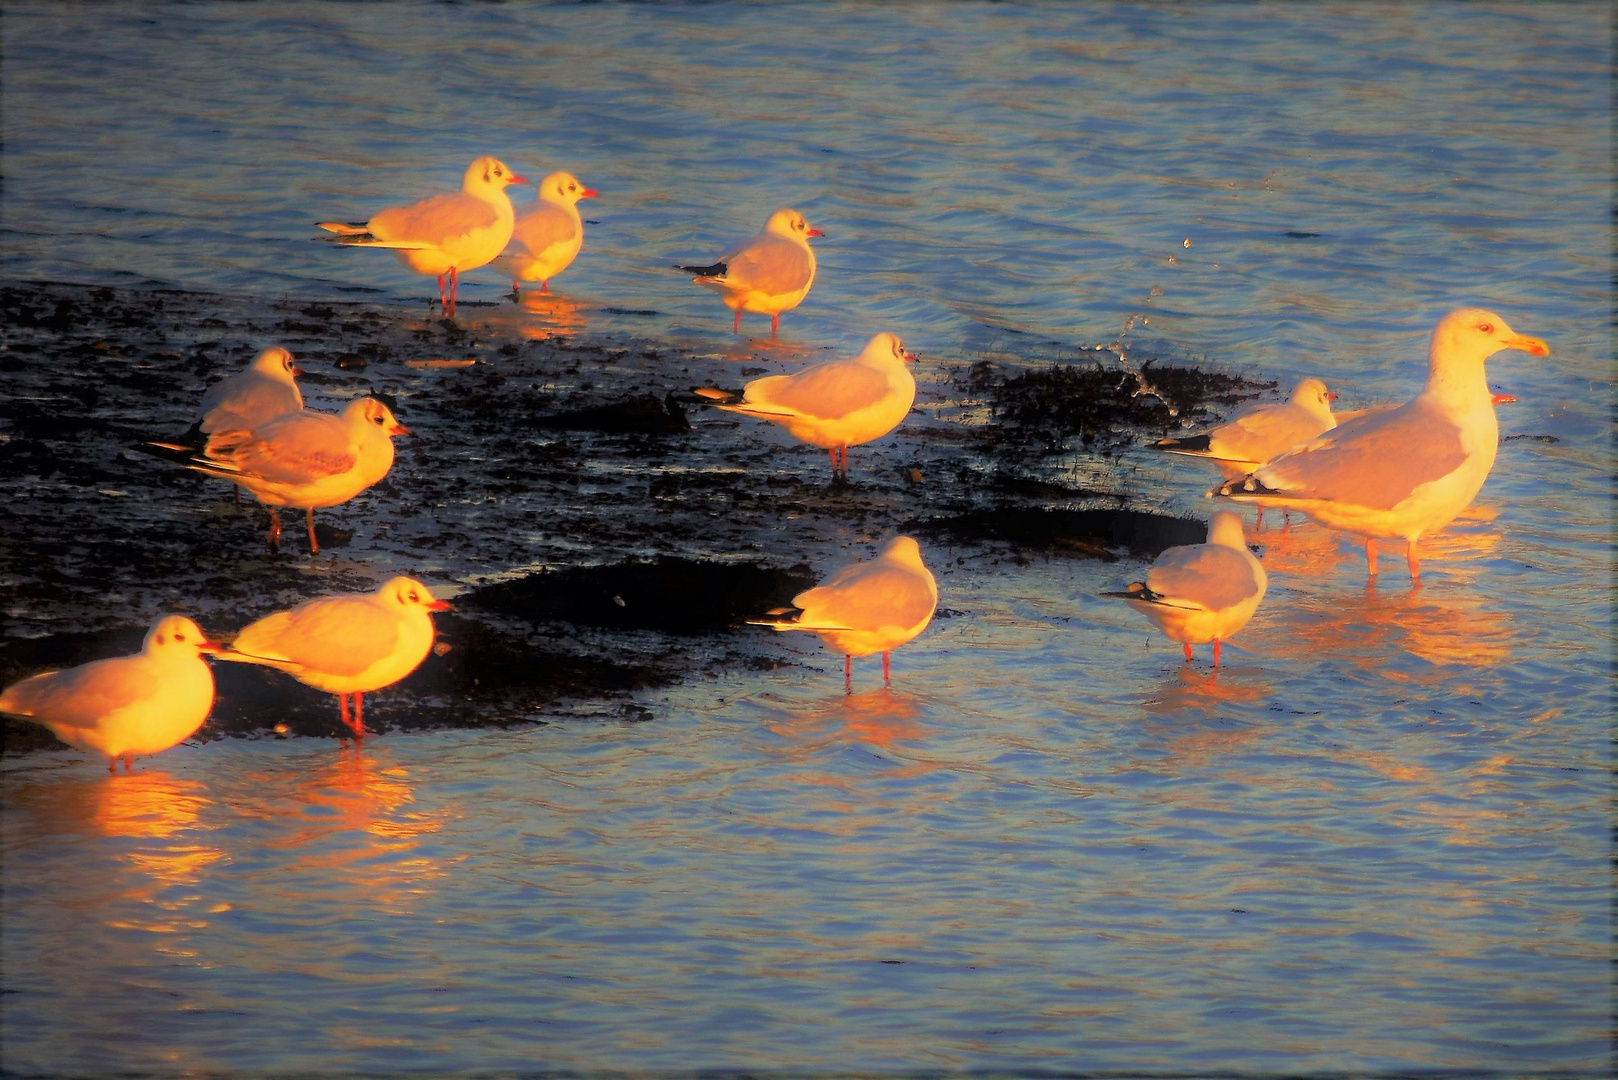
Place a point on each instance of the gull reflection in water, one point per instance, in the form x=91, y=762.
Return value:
x=548, y=315
x=881, y=717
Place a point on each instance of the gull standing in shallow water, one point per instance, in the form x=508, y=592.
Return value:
x=1407, y=471
x=768, y=273
x=1202, y=592
x=346, y=645
x=546, y=238
x=127, y=705
x=1256, y=435
x=834, y=405
x=867, y=607
x=444, y=235
x=303, y=460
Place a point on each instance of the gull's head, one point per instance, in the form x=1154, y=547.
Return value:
x=1313, y=395
x=489, y=173
x=902, y=550
x=178, y=637
x=790, y=223
x=886, y=346
x=561, y=187
x=276, y=363
x=369, y=412
x=411, y=595
x=1472, y=335
x=1225, y=529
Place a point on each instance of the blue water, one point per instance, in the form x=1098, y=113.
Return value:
x=1377, y=842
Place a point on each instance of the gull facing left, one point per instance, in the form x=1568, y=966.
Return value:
x=126, y=705
x=443, y=235
x=346, y=645
x=867, y=607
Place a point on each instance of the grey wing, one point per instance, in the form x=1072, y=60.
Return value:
x=542, y=228
x=826, y=391
x=81, y=696
x=1376, y=461
x=435, y=220
x=297, y=448
x=769, y=264
x=1209, y=576
x=869, y=595
x=243, y=402
x=1264, y=433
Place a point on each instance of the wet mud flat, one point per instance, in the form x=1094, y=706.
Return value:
x=598, y=531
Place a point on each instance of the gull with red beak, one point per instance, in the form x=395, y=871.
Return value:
x=126, y=705
x=346, y=645
x=260, y=392
x=443, y=236
x=547, y=237
x=767, y=274
x=1256, y=435
x=834, y=405
x=304, y=460
x=1408, y=471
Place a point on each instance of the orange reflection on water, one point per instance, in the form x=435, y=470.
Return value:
x=549, y=315
x=1452, y=628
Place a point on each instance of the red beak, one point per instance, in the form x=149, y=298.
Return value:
x=518, y=180
x=1331, y=395
x=400, y=429
x=209, y=645
x=297, y=371
x=589, y=193
x=440, y=605
x=814, y=232
x=1502, y=399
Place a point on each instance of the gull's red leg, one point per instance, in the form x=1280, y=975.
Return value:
x=1415, y=562
x=848, y=673
x=736, y=325
x=342, y=710
x=544, y=287
x=887, y=678
x=359, y=714
x=775, y=324
x=275, y=530
x=1216, y=652
x=1187, y=646
x=314, y=546
x=1370, y=555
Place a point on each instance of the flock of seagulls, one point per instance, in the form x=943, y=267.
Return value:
x=1388, y=472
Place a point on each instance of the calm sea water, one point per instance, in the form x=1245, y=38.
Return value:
x=1377, y=842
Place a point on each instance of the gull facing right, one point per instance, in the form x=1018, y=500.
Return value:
x=834, y=405
x=126, y=705
x=547, y=237
x=1256, y=435
x=257, y=394
x=768, y=273
x=867, y=607
x=346, y=645
x=1408, y=471
x=1198, y=593
x=443, y=235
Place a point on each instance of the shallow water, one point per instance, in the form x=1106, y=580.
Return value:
x=1376, y=842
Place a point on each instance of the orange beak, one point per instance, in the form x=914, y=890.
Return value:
x=910, y=357
x=298, y=371
x=400, y=429
x=209, y=645
x=814, y=232
x=589, y=193
x=1502, y=399
x=517, y=180
x=1530, y=345
x=1331, y=395
x=440, y=605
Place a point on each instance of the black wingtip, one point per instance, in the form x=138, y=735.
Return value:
x=1137, y=591
x=1197, y=443
x=718, y=269
x=176, y=451
x=712, y=395
x=1249, y=486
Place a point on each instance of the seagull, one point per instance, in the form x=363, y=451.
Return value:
x=303, y=460
x=1202, y=592
x=1255, y=436
x=547, y=238
x=867, y=607
x=769, y=273
x=346, y=645
x=126, y=705
x=834, y=405
x=260, y=392
x=444, y=235
x=1406, y=471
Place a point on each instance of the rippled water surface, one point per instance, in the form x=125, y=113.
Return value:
x=1376, y=842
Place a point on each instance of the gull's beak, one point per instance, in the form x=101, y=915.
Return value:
x=1530, y=345
x=589, y=193
x=814, y=232
x=399, y=429
x=440, y=605
x=910, y=357
x=1502, y=399
x=210, y=645
x=1331, y=395
x=298, y=372
x=517, y=180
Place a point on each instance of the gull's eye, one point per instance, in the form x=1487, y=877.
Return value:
x=414, y=599
x=179, y=637
x=1487, y=328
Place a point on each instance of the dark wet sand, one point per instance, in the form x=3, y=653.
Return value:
x=614, y=534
